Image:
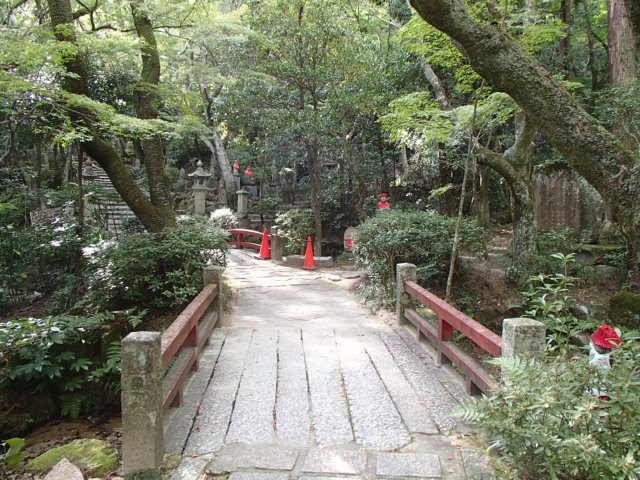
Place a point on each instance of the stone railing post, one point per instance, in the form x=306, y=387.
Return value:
x=523, y=337
x=142, y=411
x=404, y=272
x=213, y=274
x=276, y=245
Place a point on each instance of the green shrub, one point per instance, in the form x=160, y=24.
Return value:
x=422, y=238
x=155, y=269
x=295, y=226
x=546, y=424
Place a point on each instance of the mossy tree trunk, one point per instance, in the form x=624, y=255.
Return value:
x=105, y=153
x=144, y=102
x=591, y=150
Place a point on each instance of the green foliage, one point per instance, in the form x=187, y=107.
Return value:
x=545, y=422
x=269, y=205
x=41, y=258
x=295, y=226
x=547, y=299
x=60, y=355
x=43, y=354
x=155, y=269
x=556, y=240
x=422, y=238
x=11, y=455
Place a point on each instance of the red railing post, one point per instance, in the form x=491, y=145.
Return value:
x=445, y=334
x=240, y=240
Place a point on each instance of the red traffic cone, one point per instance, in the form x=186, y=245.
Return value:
x=309, y=261
x=265, y=248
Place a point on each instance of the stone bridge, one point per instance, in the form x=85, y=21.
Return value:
x=301, y=382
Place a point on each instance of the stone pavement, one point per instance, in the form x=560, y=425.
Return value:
x=304, y=384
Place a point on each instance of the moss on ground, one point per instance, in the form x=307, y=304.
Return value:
x=94, y=457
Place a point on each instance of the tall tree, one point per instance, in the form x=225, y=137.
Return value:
x=589, y=148
x=154, y=216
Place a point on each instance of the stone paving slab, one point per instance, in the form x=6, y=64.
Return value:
x=376, y=422
x=423, y=465
x=412, y=409
x=258, y=476
x=216, y=407
x=189, y=469
x=331, y=422
x=252, y=419
x=344, y=462
x=268, y=458
x=437, y=398
x=293, y=423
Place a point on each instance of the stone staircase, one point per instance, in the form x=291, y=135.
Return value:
x=104, y=203
x=498, y=248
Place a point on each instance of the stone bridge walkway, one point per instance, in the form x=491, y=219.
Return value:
x=304, y=384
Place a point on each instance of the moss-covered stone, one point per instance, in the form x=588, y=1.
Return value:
x=625, y=308
x=94, y=457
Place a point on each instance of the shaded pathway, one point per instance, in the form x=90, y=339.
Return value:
x=304, y=383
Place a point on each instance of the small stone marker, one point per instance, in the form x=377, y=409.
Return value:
x=348, y=239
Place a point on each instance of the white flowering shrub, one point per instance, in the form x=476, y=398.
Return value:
x=224, y=218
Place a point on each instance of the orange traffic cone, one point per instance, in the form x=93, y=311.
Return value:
x=265, y=248
x=309, y=261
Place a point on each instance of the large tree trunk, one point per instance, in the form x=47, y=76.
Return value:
x=623, y=46
x=144, y=102
x=154, y=219
x=623, y=61
x=591, y=150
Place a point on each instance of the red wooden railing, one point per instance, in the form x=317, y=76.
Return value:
x=240, y=242
x=183, y=340
x=449, y=320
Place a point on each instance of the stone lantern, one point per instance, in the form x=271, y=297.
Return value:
x=200, y=177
